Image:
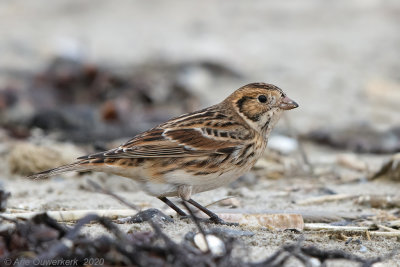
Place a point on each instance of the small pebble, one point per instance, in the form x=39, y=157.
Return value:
x=315, y=262
x=363, y=249
x=217, y=247
x=230, y=202
x=146, y=215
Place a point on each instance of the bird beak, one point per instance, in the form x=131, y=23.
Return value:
x=287, y=103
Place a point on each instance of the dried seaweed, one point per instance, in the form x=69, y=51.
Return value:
x=3, y=199
x=82, y=101
x=359, y=138
x=44, y=241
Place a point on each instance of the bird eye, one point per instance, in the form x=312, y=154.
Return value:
x=262, y=98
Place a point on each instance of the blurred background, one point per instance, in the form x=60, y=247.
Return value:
x=92, y=72
x=79, y=76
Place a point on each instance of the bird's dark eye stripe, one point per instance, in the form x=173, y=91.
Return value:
x=241, y=101
x=262, y=98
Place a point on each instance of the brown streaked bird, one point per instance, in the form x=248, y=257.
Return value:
x=195, y=152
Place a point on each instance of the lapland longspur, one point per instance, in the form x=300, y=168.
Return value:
x=195, y=152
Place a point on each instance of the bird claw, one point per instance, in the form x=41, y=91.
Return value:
x=218, y=220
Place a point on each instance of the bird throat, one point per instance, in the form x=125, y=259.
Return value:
x=269, y=120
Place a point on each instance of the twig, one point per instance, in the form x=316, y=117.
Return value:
x=67, y=241
x=324, y=255
x=98, y=188
x=326, y=198
x=309, y=216
x=71, y=215
x=13, y=210
x=368, y=235
x=360, y=229
x=217, y=201
x=51, y=222
x=322, y=226
x=196, y=221
x=388, y=228
x=6, y=218
x=304, y=253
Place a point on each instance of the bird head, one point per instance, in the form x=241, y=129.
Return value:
x=260, y=104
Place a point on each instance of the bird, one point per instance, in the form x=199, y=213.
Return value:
x=197, y=151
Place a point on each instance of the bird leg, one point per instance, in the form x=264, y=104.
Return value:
x=213, y=217
x=172, y=206
x=185, y=193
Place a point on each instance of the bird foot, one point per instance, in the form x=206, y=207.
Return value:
x=218, y=220
x=214, y=220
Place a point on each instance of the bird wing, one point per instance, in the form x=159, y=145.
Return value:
x=159, y=143
x=200, y=133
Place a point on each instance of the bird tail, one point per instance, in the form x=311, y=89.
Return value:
x=76, y=166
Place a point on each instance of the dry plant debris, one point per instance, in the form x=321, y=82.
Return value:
x=26, y=158
x=42, y=239
x=361, y=138
x=275, y=222
x=390, y=170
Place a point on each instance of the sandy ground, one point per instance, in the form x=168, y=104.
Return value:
x=72, y=192
x=338, y=60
